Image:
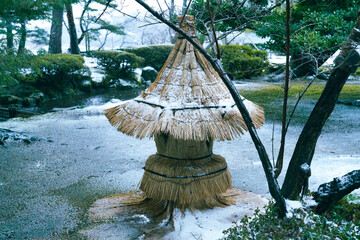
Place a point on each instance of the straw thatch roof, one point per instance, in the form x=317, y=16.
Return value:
x=188, y=100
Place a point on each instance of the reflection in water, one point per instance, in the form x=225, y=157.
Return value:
x=84, y=100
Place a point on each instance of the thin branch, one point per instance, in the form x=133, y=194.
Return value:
x=218, y=53
x=106, y=6
x=125, y=14
x=297, y=102
x=83, y=31
x=159, y=6
x=150, y=24
x=167, y=5
x=280, y=158
x=186, y=10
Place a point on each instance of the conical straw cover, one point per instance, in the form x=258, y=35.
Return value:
x=188, y=100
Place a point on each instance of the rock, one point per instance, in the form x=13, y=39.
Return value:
x=276, y=77
x=38, y=97
x=350, y=102
x=302, y=65
x=86, y=86
x=149, y=74
x=9, y=99
x=28, y=102
x=7, y=135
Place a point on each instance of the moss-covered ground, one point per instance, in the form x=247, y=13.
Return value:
x=271, y=99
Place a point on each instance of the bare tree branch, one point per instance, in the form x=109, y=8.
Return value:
x=106, y=7
x=218, y=53
x=280, y=158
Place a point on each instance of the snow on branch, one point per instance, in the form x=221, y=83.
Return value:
x=330, y=193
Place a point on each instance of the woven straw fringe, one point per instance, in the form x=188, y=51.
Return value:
x=164, y=209
x=184, y=191
x=144, y=120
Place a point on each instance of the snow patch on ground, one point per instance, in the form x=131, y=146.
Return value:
x=97, y=74
x=291, y=205
x=207, y=224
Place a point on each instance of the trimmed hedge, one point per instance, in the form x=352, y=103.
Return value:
x=11, y=66
x=57, y=73
x=241, y=61
x=154, y=56
x=118, y=65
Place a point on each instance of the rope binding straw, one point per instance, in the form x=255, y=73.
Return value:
x=189, y=159
x=184, y=177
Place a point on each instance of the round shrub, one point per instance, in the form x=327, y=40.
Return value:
x=241, y=61
x=57, y=73
x=118, y=65
x=154, y=56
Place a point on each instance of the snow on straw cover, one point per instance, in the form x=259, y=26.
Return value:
x=187, y=100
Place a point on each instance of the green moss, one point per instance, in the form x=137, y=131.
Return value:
x=269, y=93
x=271, y=99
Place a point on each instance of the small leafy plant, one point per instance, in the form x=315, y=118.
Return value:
x=342, y=222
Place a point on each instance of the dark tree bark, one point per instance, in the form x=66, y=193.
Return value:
x=216, y=64
x=22, y=41
x=345, y=64
x=74, y=46
x=9, y=34
x=330, y=193
x=55, y=43
x=280, y=158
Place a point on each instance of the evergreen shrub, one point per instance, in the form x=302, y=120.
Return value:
x=342, y=222
x=118, y=65
x=241, y=61
x=57, y=73
x=11, y=66
x=154, y=56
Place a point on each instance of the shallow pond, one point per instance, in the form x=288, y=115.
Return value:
x=47, y=186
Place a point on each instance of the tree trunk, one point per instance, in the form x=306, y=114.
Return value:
x=55, y=43
x=9, y=34
x=345, y=64
x=330, y=193
x=22, y=41
x=184, y=5
x=74, y=46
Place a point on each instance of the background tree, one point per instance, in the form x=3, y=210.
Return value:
x=92, y=25
x=318, y=28
x=55, y=42
x=229, y=16
x=16, y=14
x=74, y=46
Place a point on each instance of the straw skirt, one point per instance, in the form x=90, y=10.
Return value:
x=186, y=173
